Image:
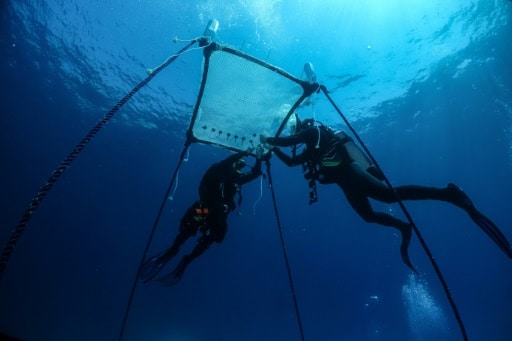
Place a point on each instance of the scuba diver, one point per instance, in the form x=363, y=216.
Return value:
x=333, y=158
x=208, y=215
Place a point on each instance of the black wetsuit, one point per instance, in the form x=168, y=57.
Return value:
x=357, y=183
x=217, y=191
x=208, y=215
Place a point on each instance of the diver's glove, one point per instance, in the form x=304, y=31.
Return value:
x=264, y=141
x=261, y=155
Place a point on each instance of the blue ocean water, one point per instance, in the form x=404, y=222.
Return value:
x=427, y=85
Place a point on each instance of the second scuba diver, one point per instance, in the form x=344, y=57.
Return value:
x=208, y=215
x=333, y=158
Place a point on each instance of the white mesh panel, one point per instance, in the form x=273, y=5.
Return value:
x=242, y=100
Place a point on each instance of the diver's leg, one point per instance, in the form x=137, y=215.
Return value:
x=151, y=267
x=361, y=205
x=219, y=227
x=213, y=231
x=358, y=185
x=202, y=245
x=174, y=277
x=456, y=196
x=376, y=189
x=155, y=264
x=358, y=180
x=187, y=230
x=451, y=194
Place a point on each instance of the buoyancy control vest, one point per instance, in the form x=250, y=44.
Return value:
x=341, y=150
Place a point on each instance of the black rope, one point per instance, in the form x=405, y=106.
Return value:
x=56, y=174
x=150, y=239
x=409, y=218
x=290, y=278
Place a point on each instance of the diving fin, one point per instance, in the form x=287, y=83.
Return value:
x=492, y=231
x=404, y=247
x=175, y=276
x=171, y=279
x=460, y=199
x=153, y=266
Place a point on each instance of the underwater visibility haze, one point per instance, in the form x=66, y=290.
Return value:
x=426, y=84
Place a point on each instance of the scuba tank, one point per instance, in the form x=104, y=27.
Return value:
x=210, y=33
x=357, y=155
x=211, y=29
x=310, y=73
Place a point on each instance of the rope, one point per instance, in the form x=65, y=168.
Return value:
x=409, y=218
x=150, y=239
x=171, y=197
x=288, y=269
x=259, y=198
x=56, y=174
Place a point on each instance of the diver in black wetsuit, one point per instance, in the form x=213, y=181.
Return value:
x=208, y=215
x=330, y=157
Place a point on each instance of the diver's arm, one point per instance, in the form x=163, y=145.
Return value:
x=285, y=141
x=215, y=174
x=253, y=174
x=289, y=160
x=309, y=136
